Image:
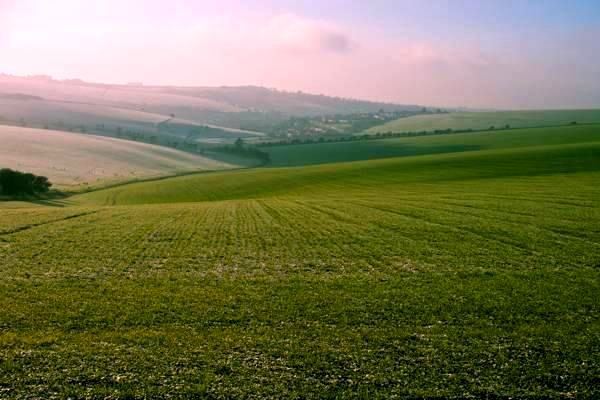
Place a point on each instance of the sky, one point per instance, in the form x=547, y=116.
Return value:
x=453, y=53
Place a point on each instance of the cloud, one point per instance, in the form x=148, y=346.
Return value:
x=293, y=52
x=291, y=32
x=336, y=42
x=6, y=11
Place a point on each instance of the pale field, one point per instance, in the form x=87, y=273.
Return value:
x=64, y=115
x=70, y=159
x=485, y=120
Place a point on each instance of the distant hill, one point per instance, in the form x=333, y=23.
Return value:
x=260, y=99
x=19, y=96
x=193, y=103
x=107, y=120
x=165, y=115
x=487, y=120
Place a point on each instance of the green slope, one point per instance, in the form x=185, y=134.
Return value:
x=519, y=158
x=463, y=275
x=319, y=153
x=484, y=120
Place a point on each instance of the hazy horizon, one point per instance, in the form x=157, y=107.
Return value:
x=503, y=55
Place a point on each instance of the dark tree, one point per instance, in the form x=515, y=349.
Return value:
x=20, y=183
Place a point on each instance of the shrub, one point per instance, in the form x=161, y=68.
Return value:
x=241, y=149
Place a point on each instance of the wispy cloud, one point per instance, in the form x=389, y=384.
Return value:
x=292, y=32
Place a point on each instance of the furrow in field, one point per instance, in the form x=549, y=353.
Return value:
x=430, y=221
x=587, y=203
x=352, y=229
x=377, y=243
x=328, y=233
x=158, y=239
x=536, y=239
x=581, y=229
x=45, y=221
x=284, y=229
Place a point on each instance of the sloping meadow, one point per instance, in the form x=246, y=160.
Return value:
x=461, y=275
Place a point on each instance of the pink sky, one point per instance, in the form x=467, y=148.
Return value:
x=183, y=42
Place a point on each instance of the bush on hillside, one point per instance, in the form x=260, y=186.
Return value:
x=241, y=149
x=20, y=183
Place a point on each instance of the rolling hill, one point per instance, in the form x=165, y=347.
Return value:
x=466, y=274
x=363, y=177
x=220, y=107
x=75, y=160
x=111, y=121
x=485, y=120
x=319, y=153
x=483, y=155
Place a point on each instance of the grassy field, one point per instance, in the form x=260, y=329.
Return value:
x=74, y=161
x=319, y=153
x=473, y=274
x=485, y=120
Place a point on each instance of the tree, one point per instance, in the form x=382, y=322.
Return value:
x=20, y=183
x=41, y=184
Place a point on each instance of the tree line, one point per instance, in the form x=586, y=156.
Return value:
x=375, y=136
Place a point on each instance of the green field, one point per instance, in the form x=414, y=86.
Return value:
x=485, y=120
x=319, y=153
x=465, y=274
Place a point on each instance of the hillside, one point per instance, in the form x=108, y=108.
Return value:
x=485, y=120
x=303, y=200
x=470, y=274
x=254, y=98
x=75, y=160
x=246, y=108
x=114, y=121
x=566, y=150
x=320, y=153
